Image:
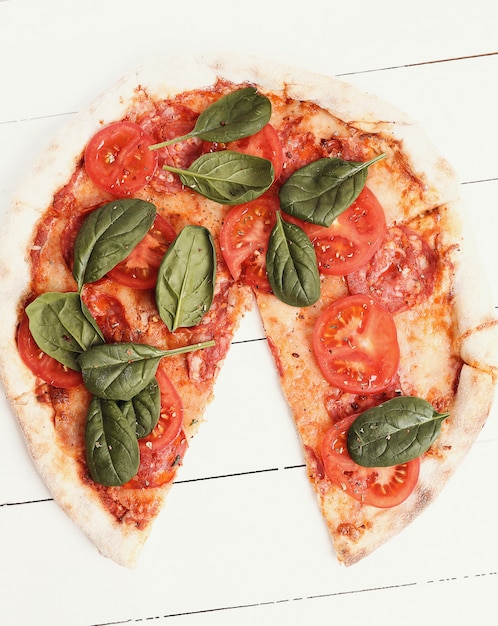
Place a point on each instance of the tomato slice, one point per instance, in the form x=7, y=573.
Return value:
x=41, y=364
x=356, y=345
x=162, y=451
x=264, y=144
x=171, y=417
x=158, y=469
x=382, y=487
x=118, y=159
x=352, y=238
x=139, y=269
x=244, y=240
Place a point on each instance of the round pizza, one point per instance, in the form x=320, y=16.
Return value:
x=192, y=191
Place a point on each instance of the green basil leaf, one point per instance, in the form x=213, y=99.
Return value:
x=394, y=432
x=108, y=235
x=291, y=265
x=227, y=177
x=112, y=451
x=128, y=411
x=322, y=190
x=120, y=371
x=143, y=409
x=239, y=114
x=62, y=326
x=186, y=278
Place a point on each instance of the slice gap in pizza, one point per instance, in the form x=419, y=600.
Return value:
x=178, y=194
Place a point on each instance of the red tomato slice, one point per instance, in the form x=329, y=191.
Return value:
x=264, y=144
x=162, y=451
x=382, y=487
x=352, y=238
x=171, y=417
x=41, y=364
x=244, y=240
x=118, y=159
x=139, y=269
x=356, y=346
x=158, y=469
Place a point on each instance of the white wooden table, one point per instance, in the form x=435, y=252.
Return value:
x=241, y=540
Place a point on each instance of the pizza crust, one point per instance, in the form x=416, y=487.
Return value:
x=165, y=78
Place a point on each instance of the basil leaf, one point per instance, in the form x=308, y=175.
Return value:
x=239, y=114
x=143, y=409
x=186, y=278
x=62, y=326
x=112, y=452
x=128, y=411
x=227, y=177
x=108, y=235
x=394, y=432
x=119, y=371
x=322, y=190
x=291, y=265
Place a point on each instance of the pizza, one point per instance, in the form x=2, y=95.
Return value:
x=192, y=191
